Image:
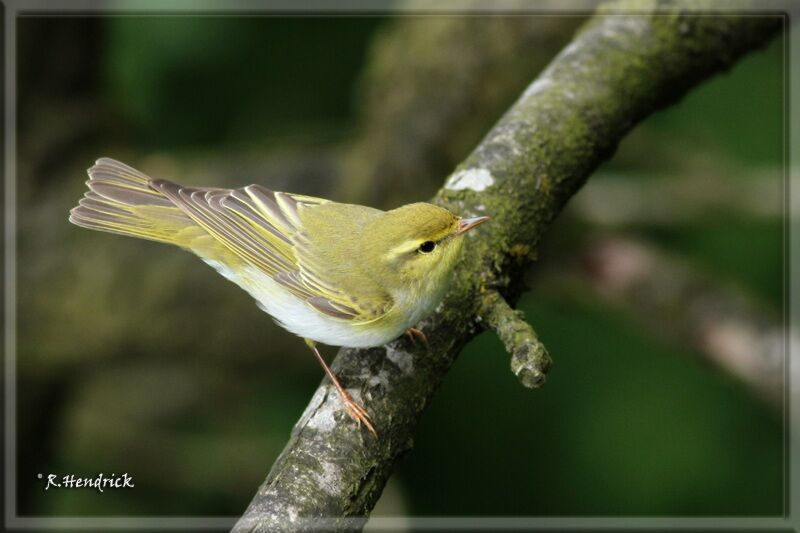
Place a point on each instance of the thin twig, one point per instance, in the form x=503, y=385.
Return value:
x=529, y=358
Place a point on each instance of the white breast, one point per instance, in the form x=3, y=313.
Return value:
x=300, y=318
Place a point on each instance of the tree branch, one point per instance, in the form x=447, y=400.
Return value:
x=529, y=358
x=724, y=326
x=616, y=201
x=618, y=69
x=417, y=118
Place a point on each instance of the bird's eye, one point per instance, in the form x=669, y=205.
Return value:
x=427, y=247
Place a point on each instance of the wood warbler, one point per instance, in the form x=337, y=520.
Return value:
x=339, y=274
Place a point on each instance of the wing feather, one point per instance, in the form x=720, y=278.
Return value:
x=264, y=228
x=247, y=226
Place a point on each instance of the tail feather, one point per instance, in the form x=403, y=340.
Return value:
x=120, y=200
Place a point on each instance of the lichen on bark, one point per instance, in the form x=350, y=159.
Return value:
x=529, y=358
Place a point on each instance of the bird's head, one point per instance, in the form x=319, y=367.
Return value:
x=417, y=245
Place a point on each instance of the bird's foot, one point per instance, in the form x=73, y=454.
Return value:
x=414, y=334
x=358, y=413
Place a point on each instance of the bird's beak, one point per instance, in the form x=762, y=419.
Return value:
x=466, y=224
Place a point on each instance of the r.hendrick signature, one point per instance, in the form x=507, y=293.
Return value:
x=99, y=482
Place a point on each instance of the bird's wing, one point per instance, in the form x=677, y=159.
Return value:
x=246, y=221
x=264, y=229
x=250, y=226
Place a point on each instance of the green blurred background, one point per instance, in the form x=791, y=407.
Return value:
x=134, y=357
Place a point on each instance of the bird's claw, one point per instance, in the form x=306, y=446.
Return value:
x=414, y=334
x=358, y=413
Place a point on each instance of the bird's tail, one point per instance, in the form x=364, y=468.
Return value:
x=120, y=200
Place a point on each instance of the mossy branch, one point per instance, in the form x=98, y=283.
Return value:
x=416, y=118
x=529, y=358
x=619, y=69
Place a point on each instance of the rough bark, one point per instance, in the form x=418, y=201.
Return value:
x=618, y=69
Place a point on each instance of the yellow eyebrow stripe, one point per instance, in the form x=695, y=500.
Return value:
x=401, y=249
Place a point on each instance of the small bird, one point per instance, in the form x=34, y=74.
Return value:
x=333, y=273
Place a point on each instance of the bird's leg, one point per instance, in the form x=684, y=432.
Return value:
x=414, y=334
x=358, y=413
